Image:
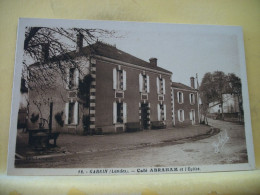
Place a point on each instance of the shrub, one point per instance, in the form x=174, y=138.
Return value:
x=59, y=118
x=34, y=118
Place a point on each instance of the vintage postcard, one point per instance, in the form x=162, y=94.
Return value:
x=107, y=97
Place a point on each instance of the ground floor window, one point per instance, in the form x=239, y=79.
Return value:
x=161, y=110
x=192, y=116
x=181, y=115
x=71, y=111
x=119, y=112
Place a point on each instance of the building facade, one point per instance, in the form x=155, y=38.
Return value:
x=122, y=89
x=185, y=104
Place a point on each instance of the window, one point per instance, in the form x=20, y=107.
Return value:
x=180, y=97
x=119, y=112
x=160, y=85
x=192, y=98
x=119, y=79
x=73, y=78
x=181, y=115
x=161, y=110
x=144, y=83
x=71, y=112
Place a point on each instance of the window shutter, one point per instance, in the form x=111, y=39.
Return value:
x=164, y=111
x=191, y=115
x=158, y=85
x=67, y=78
x=114, y=112
x=183, y=119
x=124, y=112
x=159, y=112
x=76, y=77
x=163, y=86
x=148, y=83
x=76, y=113
x=190, y=98
x=179, y=115
x=140, y=82
x=178, y=97
x=114, y=78
x=66, y=113
x=124, y=80
x=182, y=98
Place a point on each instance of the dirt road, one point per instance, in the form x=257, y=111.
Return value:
x=228, y=146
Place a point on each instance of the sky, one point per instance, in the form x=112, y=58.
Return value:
x=180, y=48
x=183, y=49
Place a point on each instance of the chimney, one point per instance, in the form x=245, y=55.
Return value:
x=153, y=61
x=79, y=42
x=45, y=52
x=192, y=84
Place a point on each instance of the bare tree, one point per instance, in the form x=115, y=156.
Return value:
x=48, y=48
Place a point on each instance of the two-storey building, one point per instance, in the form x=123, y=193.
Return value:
x=185, y=104
x=122, y=89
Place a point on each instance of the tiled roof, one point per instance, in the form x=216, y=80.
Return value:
x=109, y=51
x=112, y=52
x=181, y=86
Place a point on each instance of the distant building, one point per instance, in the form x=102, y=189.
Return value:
x=230, y=105
x=185, y=104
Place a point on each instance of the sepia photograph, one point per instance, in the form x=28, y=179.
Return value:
x=103, y=97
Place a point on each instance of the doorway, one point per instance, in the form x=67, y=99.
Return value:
x=144, y=116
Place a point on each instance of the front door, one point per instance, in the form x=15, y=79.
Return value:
x=144, y=114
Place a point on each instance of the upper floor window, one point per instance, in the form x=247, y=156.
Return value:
x=192, y=98
x=72, y=78
x=119, y=79
x=181, y=115
x=160, y=85
x=180, y=97
x=144, y=83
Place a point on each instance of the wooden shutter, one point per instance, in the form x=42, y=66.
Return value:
x=67, y=71
x=76, y=77
x=124, y=80
x=76, y=113
x=164, y=111
x=148, y=83
x=114, y=112
x=140, y=82
x=158, y=85
x=66, y=113
x=124, y=112
x=159, y=112
x=114, y=78
x=163, y=86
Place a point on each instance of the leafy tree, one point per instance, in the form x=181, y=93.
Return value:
x=214, y=85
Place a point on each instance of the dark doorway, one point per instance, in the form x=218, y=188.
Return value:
x=144, y=116
x=50, y=119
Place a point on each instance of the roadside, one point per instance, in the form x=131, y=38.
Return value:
x=77, y=144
